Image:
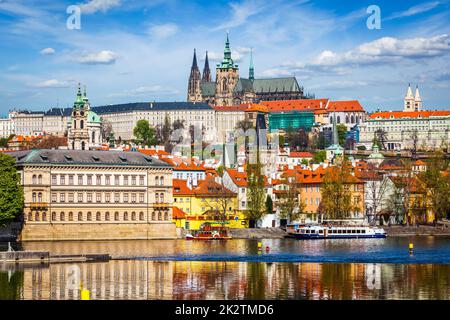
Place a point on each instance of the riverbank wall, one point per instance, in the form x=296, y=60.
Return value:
x=417, y=230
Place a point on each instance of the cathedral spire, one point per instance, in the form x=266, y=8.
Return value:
x=206, y=71
x=227, y=61
x=251, y=71
x=194, y=61
x=194, y=91
x=409, y=93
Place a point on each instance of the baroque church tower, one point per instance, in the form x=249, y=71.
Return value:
x=194, y=91
x=227, y=76
x=78, y=134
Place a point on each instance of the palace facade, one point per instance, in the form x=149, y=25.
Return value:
x=94, y=195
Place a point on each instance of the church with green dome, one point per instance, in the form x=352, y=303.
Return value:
x=84, y=125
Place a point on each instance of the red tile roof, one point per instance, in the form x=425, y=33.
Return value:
x=412, y=114
x=300, y=154
x=296, y=105
x=177, y=213
x=345, y=106
x=153, y=152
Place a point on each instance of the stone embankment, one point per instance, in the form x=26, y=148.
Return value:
x=263, y=233
x=417, y=230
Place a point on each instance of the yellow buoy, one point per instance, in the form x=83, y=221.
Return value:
x=85, y=295
x=259, y=246
x=411, y=246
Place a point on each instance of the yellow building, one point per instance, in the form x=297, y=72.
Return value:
x=206, y=202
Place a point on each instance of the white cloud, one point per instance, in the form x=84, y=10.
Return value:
x=163, y=31
x=381, y=51
x=102, y=57
x=420, y=8
x=48, y=51
x=53, y=83
x=94, y=6
x=240, y=12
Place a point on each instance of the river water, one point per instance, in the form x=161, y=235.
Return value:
x=236, y=269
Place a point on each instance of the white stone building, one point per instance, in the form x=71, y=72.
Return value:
x=227, y=119
x=6, y=127
x=29, y=123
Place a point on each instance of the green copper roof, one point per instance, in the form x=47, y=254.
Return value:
x=276, y=85
x=79, y=102
x=251, y=72
x=227, y=62
x=93, y=117
x=208, y=89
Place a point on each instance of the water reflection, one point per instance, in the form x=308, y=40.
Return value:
x=226, y=280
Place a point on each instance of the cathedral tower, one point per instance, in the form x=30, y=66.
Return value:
x=227, y=76
x=206, y=77
x=194, y=91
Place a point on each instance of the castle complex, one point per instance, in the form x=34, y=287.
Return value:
x=230, y=89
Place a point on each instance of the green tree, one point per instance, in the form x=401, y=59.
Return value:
x=144, y=134
x=256, y=195
x=436, y=186
x=269, y=205
x=11, y=192
x=290, y=204
x=336, y=193
x=319, y=156
x=342, y=133
x=3, y=142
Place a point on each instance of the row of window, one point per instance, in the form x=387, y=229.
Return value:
x=99, y=197
x=80, y=216
x=99, y=179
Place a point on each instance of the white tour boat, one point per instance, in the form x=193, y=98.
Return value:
x=334, y=232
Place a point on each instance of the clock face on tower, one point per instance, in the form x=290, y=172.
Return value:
x=82, y=113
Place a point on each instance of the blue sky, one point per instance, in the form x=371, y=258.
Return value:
x=141, y=50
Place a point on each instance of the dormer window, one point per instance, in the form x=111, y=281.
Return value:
x=123, y=159
x=95, y=158
x=68, y=158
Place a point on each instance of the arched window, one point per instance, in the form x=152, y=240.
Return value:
x=159, y=216
x=62, y=216
x=125, y=216
x=352, y=119
x=338, y=119
x=166, y=216
x=161, y=198
x=107, y=216
x=89, y=216
x=34, y=197
x=83, y=145
x=153, y=215
x=161, y=181
x=30, y=216
x=93, y=136
x=44, y=216
x=40, y=197
x=40, y=179
x=34, y=179
x=80, y=216
x=157, y=180
x=141, y=216
x=70, y=216
x=98, y=216
x=346, y=119
x=116, y=216
x=53, y=216
x=157, y=197
x=74, y=124
x=224, y=85
x=36, y=216
x=81, y=124
x=133, y=216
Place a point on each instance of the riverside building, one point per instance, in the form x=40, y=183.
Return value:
x=94, y=195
